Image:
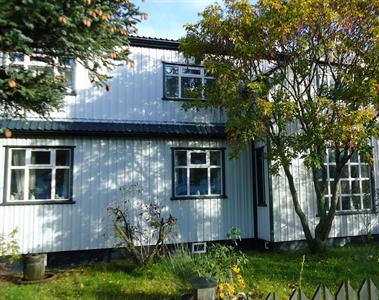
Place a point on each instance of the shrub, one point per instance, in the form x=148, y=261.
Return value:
x=9, y=248
x=131, y=233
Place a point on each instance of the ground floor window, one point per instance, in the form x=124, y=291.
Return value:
x=38, y=174
x=198, y=173
x=356, y=183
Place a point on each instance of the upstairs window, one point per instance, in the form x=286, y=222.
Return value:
x=356, y=183
x=185, y=82
x=198, y=173
x=20, y=61
x=38, y=174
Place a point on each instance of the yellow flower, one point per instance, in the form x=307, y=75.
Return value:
x=235, y=269
x=222, y=295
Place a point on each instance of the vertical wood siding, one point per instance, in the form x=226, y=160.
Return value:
x=101, y=167
x=136, y=94
x=287, y=226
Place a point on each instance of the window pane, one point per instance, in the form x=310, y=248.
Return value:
x=181, y=182
x=354, y=171
x=63, y=157
x=191, y=87
x=17, y=185
x=215, y=157
x=39, y=70
x=198, y=158
x=367, y=201
x=172, y=87
x=346, y=203
x=216, y=181
x=332, y=157
x=68, y=75
x=345, y=172
x=199, y=181
x=40, y=158
x=62, y=181
x=332, y=171
x=39, y=184
x=366, y=186
x=171, y=70
x=180, y=158
x=191, y=71
x=354, y=157
x=365, y=171
x=355, y=187
x=356, y=202
x=18, y=157
x=345, y=189
x=17, y=57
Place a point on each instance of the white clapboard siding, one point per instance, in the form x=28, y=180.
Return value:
x=101, y=167
x=135, y=95
x=287, y=225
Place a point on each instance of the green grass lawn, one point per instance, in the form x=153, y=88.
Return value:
x=266, y=272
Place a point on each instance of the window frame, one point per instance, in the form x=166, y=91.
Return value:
x=207, y=150
x=370, y=179
x=260, y=176
x=52, y=165
x=28, y=63
x=202, y=76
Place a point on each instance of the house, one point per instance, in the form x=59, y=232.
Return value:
x=59, y=175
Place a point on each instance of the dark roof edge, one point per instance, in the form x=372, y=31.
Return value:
x=104, y=129
x=147, y=42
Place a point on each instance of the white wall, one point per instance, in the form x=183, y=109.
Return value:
x=101, y=166
x=135, y=95
x=287, y=226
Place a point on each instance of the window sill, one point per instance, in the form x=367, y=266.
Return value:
x=182, y=99
x=34, y=202
x=199, y=197
x=262, y=204
x=360, y=212
x=347, y=213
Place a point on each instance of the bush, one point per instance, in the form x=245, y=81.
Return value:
x=9, y=249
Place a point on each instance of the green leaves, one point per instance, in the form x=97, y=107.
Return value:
x=302, y=74
x=87, y=31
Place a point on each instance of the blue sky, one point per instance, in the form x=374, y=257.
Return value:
x=167, y=17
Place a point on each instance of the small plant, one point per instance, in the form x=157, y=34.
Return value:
x=9, y=248
x=224, y=263
x=151, y=223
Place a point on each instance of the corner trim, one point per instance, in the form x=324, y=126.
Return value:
x=270, y=197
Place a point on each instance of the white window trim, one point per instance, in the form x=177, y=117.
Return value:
x=27, y=63
x=28, y=165
x=180, y=75
x=350, y=179
x=207, y=165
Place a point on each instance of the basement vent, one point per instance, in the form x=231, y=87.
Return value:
x=199, y=248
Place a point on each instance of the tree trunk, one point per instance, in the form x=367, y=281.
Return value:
x=312, y=244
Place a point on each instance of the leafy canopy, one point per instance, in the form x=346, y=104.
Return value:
x=302, y=74
x=312, y=64
x=93, y=32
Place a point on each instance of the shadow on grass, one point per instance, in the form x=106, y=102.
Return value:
x=116, y=291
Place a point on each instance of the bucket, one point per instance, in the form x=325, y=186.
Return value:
x=34, y=267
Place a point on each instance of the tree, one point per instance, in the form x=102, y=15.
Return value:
x=93, y=32
x=301, y=74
